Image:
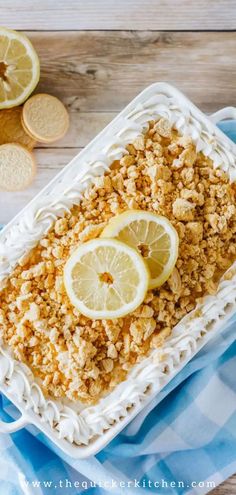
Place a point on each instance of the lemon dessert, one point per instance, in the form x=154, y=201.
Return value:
x=111, y=279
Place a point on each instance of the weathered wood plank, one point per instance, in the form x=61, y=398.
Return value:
x=119, y=14
x=97, y=74
x=103, y=71
x=84, y=126
x=226, y=488
x=49, y=163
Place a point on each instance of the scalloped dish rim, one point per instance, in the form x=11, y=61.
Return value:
x=84, y=432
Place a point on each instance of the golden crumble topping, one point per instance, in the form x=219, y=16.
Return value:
x=78, y=358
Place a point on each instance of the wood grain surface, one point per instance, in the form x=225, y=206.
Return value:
x=102, y=71
x=119, y=14
x=226, y=488
x=96, y=55
x=97, y=73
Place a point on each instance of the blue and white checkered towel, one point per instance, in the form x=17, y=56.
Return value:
x=184, y=442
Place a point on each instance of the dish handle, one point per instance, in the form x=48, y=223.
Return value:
x=19, y=423
x=222, y=114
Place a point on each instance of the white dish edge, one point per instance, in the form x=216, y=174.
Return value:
x=98, y=424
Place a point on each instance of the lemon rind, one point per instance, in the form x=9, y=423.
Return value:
x=115, y=225
x=11, y=34
x=109, y=314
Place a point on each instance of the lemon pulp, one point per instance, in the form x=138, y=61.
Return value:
x=19, y=68
x=106, y=279
x=152, y=235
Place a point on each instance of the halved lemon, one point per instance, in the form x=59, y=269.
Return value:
x=106, y=279
x=19, y=68
x=153, y=236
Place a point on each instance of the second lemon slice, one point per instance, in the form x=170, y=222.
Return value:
x=106, y=279
x=153, y=236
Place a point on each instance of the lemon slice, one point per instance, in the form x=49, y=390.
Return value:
x=106, y=279
x=152, y=236
x=19, y=68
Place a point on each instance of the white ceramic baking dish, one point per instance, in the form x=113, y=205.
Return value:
x=78, y=430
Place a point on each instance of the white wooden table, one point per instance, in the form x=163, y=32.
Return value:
x=98, y=54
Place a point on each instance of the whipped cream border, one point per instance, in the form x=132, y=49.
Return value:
x=84, y=426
